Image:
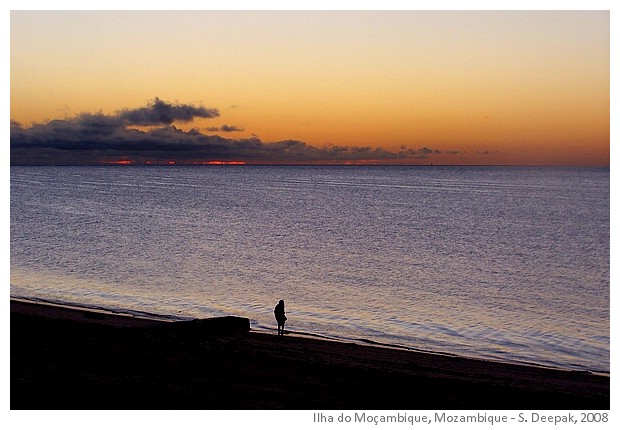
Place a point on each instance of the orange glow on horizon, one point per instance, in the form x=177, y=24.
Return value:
x=125, y=162
x=217, y=162
x=119, y=162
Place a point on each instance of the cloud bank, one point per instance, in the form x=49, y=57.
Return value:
x=100, y=139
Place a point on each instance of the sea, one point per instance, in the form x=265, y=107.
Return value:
x=509, y=264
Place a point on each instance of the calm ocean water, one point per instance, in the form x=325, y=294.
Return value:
x=504, y=263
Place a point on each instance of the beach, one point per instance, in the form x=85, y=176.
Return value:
x=71, y=358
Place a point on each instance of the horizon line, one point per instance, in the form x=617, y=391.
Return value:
x=245, y=164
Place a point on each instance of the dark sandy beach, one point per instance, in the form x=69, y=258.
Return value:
x=74, y=359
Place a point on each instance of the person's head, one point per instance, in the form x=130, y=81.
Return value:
x=281, y=302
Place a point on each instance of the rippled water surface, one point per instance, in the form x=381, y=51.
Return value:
x=507, y=263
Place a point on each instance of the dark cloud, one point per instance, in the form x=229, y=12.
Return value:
x=159, y=112
x=421, y=153
x=99, y=138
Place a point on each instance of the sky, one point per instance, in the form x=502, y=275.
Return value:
x=328, y=87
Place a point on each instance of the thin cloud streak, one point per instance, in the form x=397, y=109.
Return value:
x=226, y=128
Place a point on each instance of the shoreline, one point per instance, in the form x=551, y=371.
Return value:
x=74, y=310
x=72, y=358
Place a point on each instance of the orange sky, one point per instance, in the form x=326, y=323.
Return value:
x=477, y=87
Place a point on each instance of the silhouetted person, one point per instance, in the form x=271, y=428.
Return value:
x=280, y=316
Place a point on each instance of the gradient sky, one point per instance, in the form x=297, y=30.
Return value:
x=447, y=87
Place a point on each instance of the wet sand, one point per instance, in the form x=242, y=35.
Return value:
x=68, y=358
